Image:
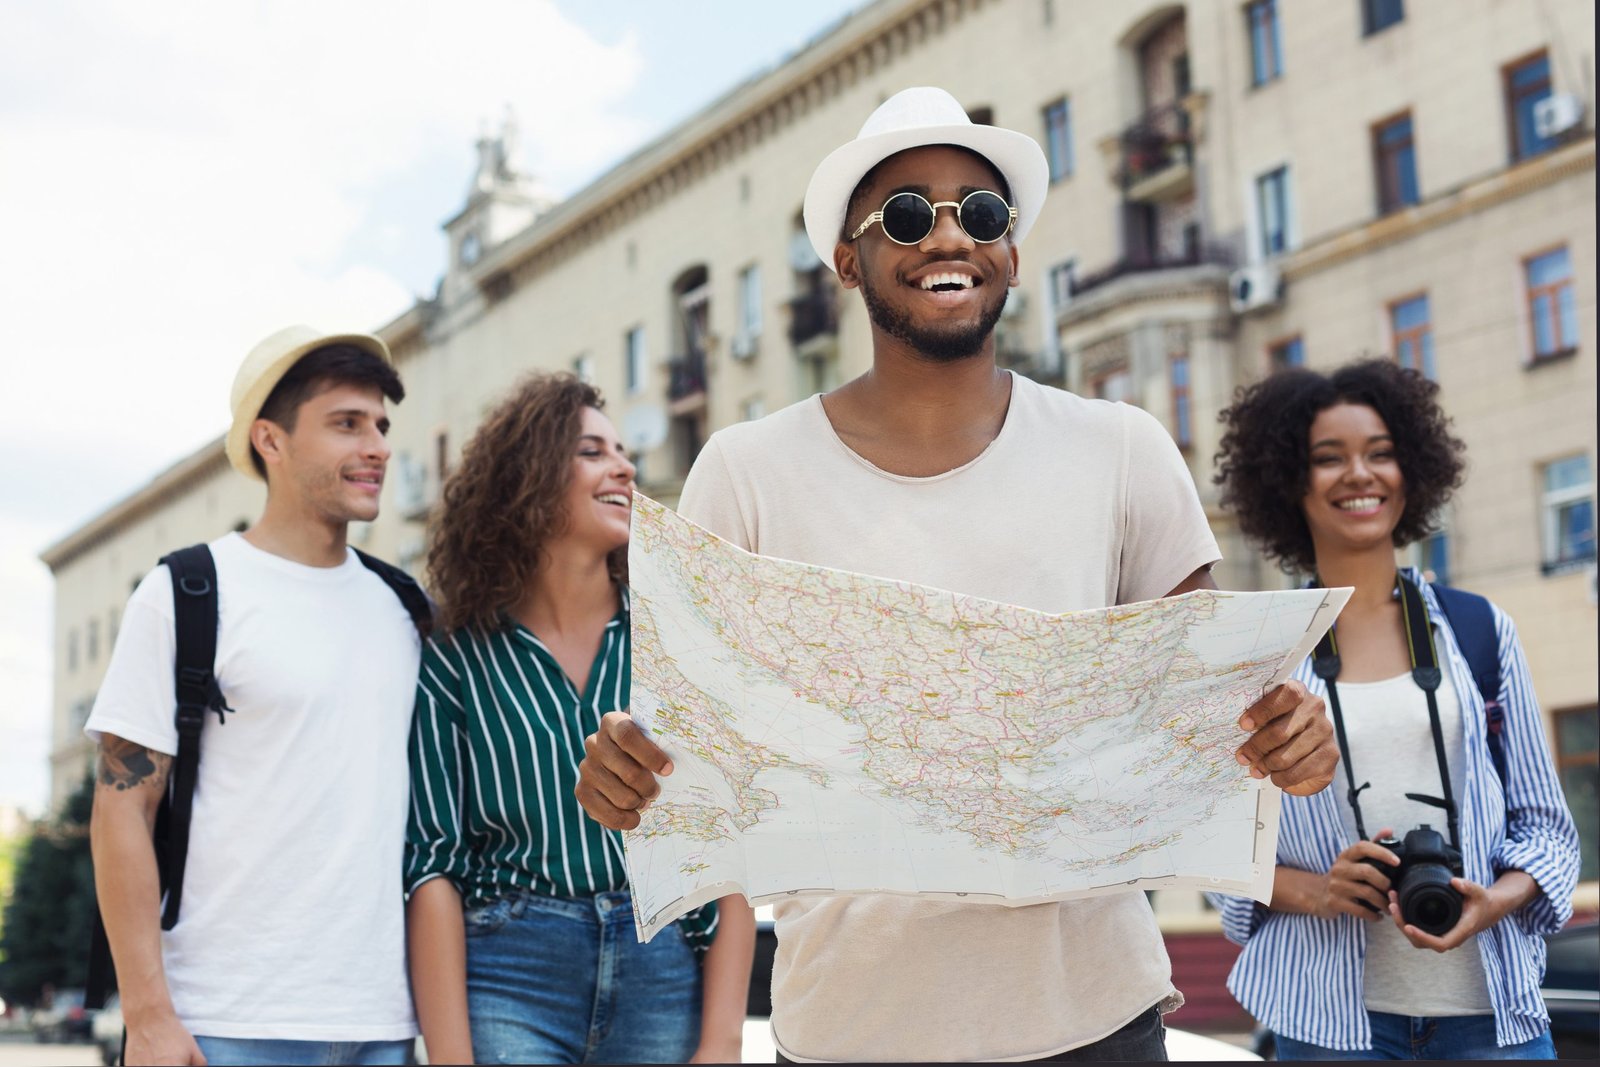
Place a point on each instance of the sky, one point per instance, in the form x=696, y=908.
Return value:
x=179, y=179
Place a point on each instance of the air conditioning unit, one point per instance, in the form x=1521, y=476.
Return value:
x=1252, y=288
x=1556, y=114
x=743, y=347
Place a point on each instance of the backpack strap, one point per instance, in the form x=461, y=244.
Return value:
x=1472, y=620
x=416, y=602
x=194, y=604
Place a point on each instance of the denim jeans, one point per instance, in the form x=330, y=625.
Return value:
x=253, y=1051
x=1411, y=1037
x=557, y=980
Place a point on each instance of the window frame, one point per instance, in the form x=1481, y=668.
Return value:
x=1551, y=503
x=1510, y=97
x=1279, y=180
x=1182, y=399
x=1106, y=374
x=1268, y=67
x=1530, y=294
x=1420, y=336
x=750, y=317
x=1282, y=344
x=633, y=360
x=1370, y=13
x=1387, y=171
x=1058, y=152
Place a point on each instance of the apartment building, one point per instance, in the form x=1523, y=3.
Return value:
x=1236, y=187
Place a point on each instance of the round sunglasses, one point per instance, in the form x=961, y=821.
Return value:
x=908, y=219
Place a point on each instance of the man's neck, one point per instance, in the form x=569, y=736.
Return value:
x=917, y=417
x=290, y=532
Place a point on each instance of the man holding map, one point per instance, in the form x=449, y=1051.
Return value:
x=937, y=467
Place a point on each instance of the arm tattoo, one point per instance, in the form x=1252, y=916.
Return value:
x=125, y=765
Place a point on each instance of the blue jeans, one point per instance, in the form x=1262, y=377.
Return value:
x=1411, y=1037
x=557, y=980
x=251, y=1051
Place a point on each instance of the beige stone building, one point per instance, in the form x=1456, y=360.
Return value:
x=1236, y=186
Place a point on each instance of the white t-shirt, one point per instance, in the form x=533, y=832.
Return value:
x=1391, y=748
x=1075, y=504
x=292, y=922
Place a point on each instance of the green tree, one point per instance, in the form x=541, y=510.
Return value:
x=45, y=934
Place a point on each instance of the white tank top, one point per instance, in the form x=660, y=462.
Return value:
x=1391, y=747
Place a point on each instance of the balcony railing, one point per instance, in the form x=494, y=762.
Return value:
x=1158, y=142
x=1218, y=254
x=686, y=375
x=812, y=315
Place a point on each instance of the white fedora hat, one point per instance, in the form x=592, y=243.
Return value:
x=265, y=366
x=913, y=118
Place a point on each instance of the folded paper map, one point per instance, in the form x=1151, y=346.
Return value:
x=833, y=732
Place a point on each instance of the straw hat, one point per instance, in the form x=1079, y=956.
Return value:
x=913, y=118
x=265, y=366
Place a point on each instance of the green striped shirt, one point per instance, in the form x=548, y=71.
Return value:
x=495, y=746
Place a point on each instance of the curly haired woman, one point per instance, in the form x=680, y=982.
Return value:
x=1361, y=956
x=520, y=925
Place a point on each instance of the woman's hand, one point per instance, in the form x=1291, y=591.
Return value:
x=1354, y=887
x=727, y=1050
x=1481, y=908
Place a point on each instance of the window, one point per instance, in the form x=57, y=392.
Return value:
x=1552, y=309
x=72, y=650
x=1380, y=14
x=1394, y=160
x=750, y=302
x=1058, y=138
x=1266, y=46
x=1114, y=384
x=981, y=116
x=1411, y=333
x=633, y=359
x=1063, y=279
x=1578, y=764
x=1527, y=83
x=441, y=454
x=583, y=367
x=1289, y=352
x=1433, y=557
x=111, y=626
x=1272, y=209
x=1568, y=512
x=753, y=408
x=1182, y=401
x=92, y=645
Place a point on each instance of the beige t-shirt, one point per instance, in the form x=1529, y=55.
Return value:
x=1075, y=504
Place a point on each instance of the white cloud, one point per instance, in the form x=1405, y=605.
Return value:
x=179, y=179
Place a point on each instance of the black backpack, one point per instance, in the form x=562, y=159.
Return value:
x=194, y=604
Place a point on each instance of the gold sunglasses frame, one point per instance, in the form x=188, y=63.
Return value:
x=877, y=216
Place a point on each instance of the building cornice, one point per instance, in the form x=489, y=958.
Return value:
x=1469, y=198
x=742, y=119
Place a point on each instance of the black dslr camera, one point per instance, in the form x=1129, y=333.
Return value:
x=1427, y=863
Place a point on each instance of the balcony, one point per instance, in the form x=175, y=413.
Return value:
x=813, y=323
x=1196, y=255
x=1157, y=155
x=686, y=383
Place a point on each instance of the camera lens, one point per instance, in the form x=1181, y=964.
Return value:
x=1427, y=899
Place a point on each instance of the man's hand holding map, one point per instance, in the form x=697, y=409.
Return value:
x=832, y=732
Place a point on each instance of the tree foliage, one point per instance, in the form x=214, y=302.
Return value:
x=48, y=918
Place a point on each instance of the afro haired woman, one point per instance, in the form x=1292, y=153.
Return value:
x=1360, y=956
x=520, y=925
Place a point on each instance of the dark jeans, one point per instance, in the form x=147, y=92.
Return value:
x=1143, y=1039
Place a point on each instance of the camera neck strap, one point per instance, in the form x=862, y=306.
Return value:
x=1425, y=673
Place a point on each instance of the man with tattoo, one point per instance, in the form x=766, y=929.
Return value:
x=290, y=945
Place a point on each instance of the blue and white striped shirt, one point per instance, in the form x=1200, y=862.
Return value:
x=1301, y=976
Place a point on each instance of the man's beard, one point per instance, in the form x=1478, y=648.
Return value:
x=946, y=343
